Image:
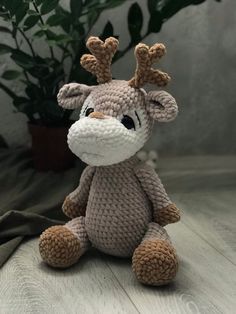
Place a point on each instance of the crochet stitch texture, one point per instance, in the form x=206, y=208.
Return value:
x=120, y=206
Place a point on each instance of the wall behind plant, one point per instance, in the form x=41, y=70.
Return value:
x=201, y=47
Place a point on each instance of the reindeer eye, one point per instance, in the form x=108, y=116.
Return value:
x=128, y=122
x=88, y=111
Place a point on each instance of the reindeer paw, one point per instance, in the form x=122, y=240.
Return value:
x=155, y=262
x=59, y=247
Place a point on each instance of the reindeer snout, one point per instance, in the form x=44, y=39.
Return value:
x=97, y=115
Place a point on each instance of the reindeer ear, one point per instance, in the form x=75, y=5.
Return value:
x=161, y=106
x=73, y=95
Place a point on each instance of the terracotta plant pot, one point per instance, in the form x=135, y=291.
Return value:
x=50, y=149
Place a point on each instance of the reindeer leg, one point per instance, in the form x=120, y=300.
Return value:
x=154, y=261
x=62, y=246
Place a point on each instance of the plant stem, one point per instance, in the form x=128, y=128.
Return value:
x=27, y=40
x=42, y=21
x=82, y=39
x=7, y=90
x=18, y=47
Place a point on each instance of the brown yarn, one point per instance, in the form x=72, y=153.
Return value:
x=59, y=247
x=70, y=209
x=99, y=63
x=97, y=115
x=155, y=262
x=144, y=73
x=168, y=215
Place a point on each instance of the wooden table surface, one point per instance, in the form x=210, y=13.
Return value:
x=205, y=189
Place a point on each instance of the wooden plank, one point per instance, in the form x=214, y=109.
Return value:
x=195, y=164
x=212, y=216
x=205, y=188
x=200, y=173
x=28, y=286
x=205, y=283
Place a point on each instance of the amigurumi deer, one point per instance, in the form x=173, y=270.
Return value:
x=120, y=205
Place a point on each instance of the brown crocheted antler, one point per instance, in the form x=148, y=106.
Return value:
x=144, y=73
x=99, y=63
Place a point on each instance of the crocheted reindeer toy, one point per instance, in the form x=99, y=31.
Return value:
x=120, y=205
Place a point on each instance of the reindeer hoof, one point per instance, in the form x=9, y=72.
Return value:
x=59, y=247
x=155, y=262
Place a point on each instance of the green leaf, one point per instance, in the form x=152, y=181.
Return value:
x=107, y=31
x=102, y=5
x=32, y=12
x=61, y=11
x=25, y=105
x=92, y=17
x=5, y=49
x=59, y=39
x=39, y=33
x=12, y=5
x=52, y=109
x=48, y=6
x=7, y=90
x=114, y=3
x=38, y=2
x=50, y=34
x=21, y=12
x=45, y=27
x=76, y=8
x=3, y=143
x=20, y=100
x=66, y=22
x=22, y=59
x=31, y=21
x=11, y=74
x=155, y=22
x=151, y=5
x=55, y=20
x=40, y=70
x=5, y=15
x=87, y=2
x=5, y=29
x=33, y=91
x=169, y=8
x=135, y=22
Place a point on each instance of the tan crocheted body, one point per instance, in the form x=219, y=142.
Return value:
x=118, y=210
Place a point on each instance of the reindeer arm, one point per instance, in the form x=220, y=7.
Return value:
x=164, y=211
x=76, y=202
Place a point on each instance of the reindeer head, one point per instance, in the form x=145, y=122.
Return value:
x=117, y=116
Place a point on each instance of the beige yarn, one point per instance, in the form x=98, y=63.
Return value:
x=164, y=212
x=118, y=218
x=75, y=204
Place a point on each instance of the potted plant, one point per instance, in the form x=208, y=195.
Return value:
x=63, y=32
